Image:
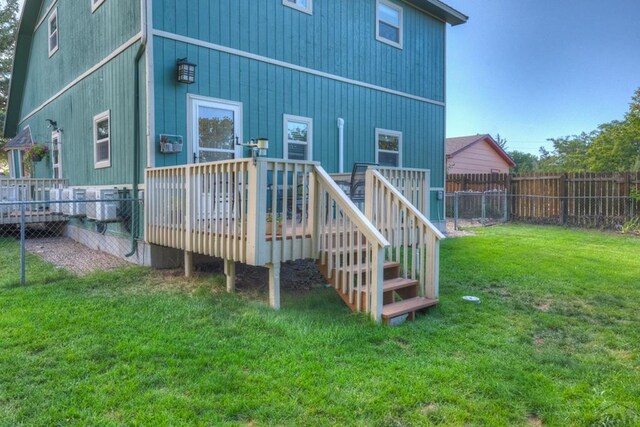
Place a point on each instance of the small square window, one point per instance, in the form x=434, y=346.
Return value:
x=389, y=18
x=102, y=140
x=53, y=32
x=298, y=138
x=305, y=6
x=95, y=4
x=388, y=148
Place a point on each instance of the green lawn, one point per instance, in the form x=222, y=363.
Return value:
x=555, y=341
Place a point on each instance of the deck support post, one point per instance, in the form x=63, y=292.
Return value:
x=274, y=285
x=188, y=264
x=230, y=272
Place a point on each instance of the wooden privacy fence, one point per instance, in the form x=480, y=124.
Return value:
x=581, y=199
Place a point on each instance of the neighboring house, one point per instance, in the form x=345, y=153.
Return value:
x=331, y=81
x=477, y=154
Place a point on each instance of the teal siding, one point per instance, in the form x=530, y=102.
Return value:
x=109, y=88
x=339, y=38
x=85, y=38
x=267, y=92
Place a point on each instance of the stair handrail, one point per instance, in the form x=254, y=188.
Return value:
x=404, y=201
x=355, y=215
x=349, y=280
x=411, y=233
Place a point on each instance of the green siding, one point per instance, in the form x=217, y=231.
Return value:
x=339, y=38
x=109, y=88
x=85, y=38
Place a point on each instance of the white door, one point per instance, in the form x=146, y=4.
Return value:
x=216, y=128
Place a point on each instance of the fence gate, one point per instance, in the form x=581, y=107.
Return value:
x=477, y=207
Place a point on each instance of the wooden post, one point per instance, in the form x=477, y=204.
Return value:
x=377, y=283
x=274, y=285
x=230, y=272
x=188, y=263
x=564, y=202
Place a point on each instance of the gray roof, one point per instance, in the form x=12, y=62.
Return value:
x=21, y=141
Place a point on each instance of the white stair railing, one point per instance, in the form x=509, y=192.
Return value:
x=349, y=246
x=414, y=240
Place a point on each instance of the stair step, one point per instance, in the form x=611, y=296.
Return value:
x=398, y=283
x=410, y=305
x=387, y=266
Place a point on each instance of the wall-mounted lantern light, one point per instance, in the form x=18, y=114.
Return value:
x=186, y=72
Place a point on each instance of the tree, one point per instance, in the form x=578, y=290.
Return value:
x=525, y=162
x=568, y=155
x=8, y=28
x=502, y=142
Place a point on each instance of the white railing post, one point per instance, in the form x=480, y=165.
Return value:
x=256, y=213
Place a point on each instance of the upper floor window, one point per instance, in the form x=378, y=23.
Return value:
x=305, y=6
x=298, y=137
x=389, y=23
x=53, y=32
x=95, y=4
x=388, y=148
x=56, y=155
x=102, y=140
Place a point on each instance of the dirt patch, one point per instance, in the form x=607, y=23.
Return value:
x=452, y=232
x=73, y=256
x=429, y=408
x=534, y=421
x=298, y=276
x=543, y=306
x=538, y=341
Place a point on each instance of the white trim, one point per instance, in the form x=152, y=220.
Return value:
x=98, y=118
x=395, y=133
x=95, y=4
x=437, y=189
x=84, y=75
x=400, y=11
x=127, y=186
x=294, y=5
x=56, y=145
x=54, y=15
x=290, y=66
x=285, y=140
x=44, y=16
x=194, y=100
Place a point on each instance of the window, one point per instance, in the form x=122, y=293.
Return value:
x=305, y=6
x=298, y=138
x=53, y=32
x=95, y=4
x=388, y=148
x=56, y=155
x=102, y=140
x=389, y=23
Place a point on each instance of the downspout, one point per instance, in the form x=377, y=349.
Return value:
x=135, y=214
x=340, y=145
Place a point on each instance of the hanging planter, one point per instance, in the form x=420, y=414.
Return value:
x=37, y=152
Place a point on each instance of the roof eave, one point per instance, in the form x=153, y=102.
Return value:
x=442, y=11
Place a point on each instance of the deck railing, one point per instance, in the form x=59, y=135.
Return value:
x=349, y=247
x=414, y=240
x=35, y=191
x=413, y=184
x=254, y=212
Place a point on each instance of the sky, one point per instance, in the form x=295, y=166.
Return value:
x=537, y=69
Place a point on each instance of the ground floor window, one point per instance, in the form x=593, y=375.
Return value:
x=298, y=137
x=102, y=140
x=388, y=148
x=56, y=155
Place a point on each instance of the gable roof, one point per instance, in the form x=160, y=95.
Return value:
x=28, y=21
x=21, y=141
x=457, y=145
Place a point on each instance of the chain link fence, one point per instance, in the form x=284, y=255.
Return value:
x=482, y=208
x=77, y=233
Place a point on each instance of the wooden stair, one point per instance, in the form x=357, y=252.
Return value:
x=400, y=295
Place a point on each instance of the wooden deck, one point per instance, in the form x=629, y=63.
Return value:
x=296, y=210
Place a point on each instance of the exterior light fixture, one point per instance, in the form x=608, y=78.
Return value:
x=186, y=72
x=263, y=146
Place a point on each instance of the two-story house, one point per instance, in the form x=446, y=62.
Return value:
x=119, y=87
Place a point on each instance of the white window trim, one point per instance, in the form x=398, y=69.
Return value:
x=400, y=11
x=294, y=5
x=54, y=15
x=390, y=133
x=95, y=4
x=56, y=140
x=96, y=119
x=285, y=128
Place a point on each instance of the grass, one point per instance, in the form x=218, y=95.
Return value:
x=554, y=342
